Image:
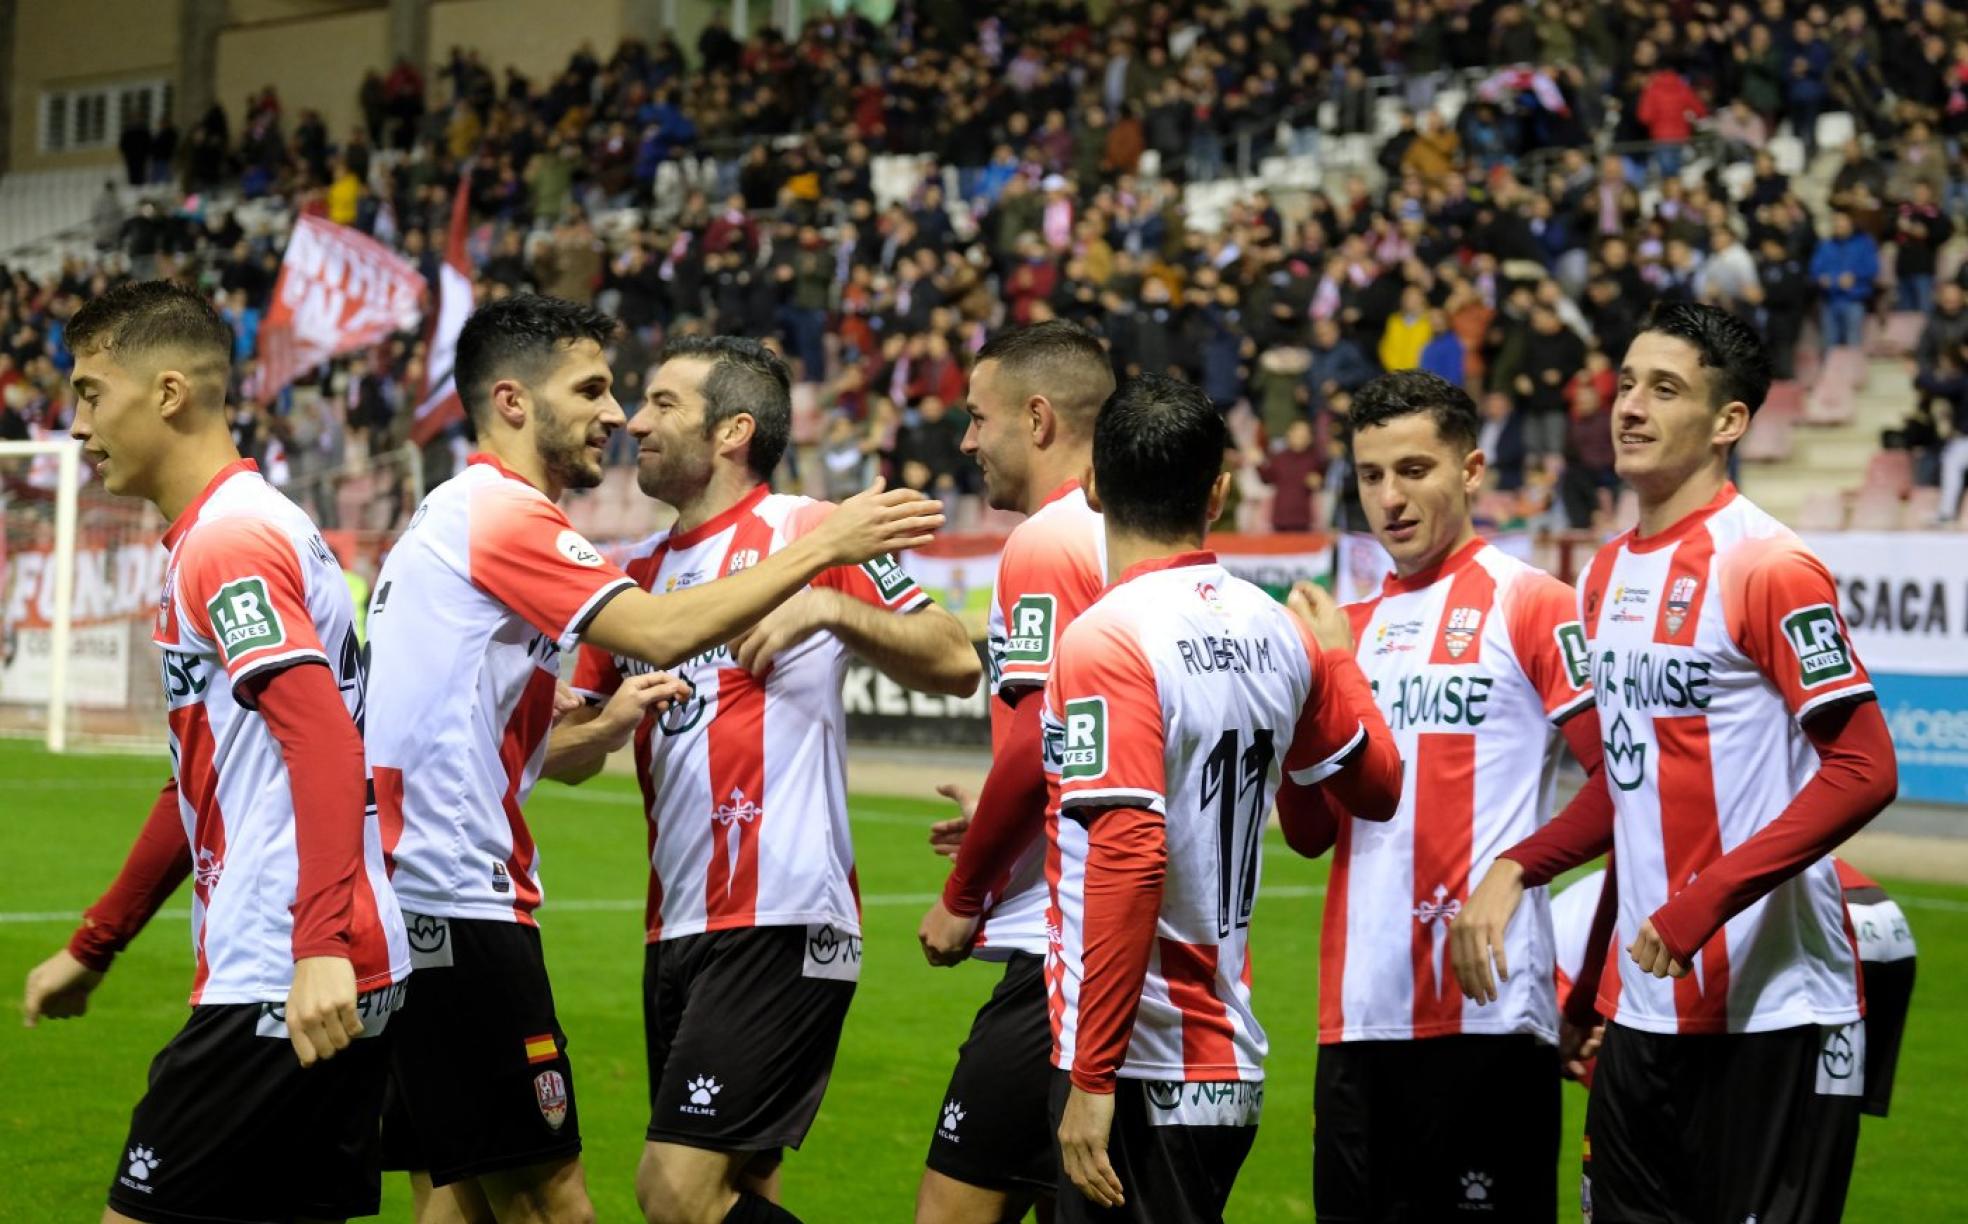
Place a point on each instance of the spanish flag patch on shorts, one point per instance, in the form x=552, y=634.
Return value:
x=541, y=1049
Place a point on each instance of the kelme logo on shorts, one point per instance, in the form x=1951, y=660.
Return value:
x=1571, y=647
x=1822, y=655
x=243, y=618
x=1029, y=639
x=1084, y=752
x=890, y=578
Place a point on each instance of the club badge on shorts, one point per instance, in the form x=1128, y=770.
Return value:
x=550, y=1093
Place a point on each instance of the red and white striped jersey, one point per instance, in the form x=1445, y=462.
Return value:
x=1185, y=692
x=1475, y=663
x=1572, y=911
x=1709, y=642
x=745, y=783
x=470, y=613
x=1053, y=566
x=251, y=588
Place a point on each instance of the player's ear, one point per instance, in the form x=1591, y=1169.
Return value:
x=1219, y=494
x=1041, y=419
x=173, y=391
x=1730, y=424
x=1092, y=491
x=736, y=432
x=510, y=402
x=1474, y=466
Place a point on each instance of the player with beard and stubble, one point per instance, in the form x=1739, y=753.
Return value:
x=753, y=922
x=1034, y=396
x=476, y=602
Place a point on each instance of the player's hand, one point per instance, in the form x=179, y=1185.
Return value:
x=1476, y=935
x=874, y=523
x=1652, y=955
x=623, y=712
x=1315, y=605
x=1577, y=1048
x=58, y=988
x=1083, y=1131
x=946, y=835
x=945, y=937
x=321, y=1015
x=783, y=628
x=566, y=701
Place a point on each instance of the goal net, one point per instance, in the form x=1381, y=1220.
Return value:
x=82, y=572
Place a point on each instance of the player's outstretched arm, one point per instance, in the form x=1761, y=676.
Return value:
x=1579, y=833
x=158, y=862
x=303, y=710
x=664, y=630
x=582, y=740
x=1856, y=779
x=1126, y=866
x=926, y=650
x=1008, y=816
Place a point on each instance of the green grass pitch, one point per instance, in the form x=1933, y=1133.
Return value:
x=69, y=1086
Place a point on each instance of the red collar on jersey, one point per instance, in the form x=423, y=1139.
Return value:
x=1201, y=556
x=1062, y=491
x=718, y=522
x=1684, y=526
x=183, y=522
x=496, y=464
x=1421, y=580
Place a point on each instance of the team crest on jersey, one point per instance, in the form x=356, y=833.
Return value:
x=742, y=559
x=1459, y=630
x=1679, y=597
x=550, y=1092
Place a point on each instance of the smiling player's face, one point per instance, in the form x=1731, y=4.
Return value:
x=1416, y=487
x=673, y=457
x=574, y=413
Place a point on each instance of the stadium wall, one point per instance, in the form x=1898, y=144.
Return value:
x=89, y=42
x=316, y=63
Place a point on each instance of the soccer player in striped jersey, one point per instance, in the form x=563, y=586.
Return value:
x=1478, y=665
x=1034, y=394
x=298, y=942
x=1743, y=742
x=1179, y=703
x=473, y=608
x=753, y=923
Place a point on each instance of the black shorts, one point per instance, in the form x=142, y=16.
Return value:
x=479, y=1077
x=993, y=1126
x=741, y=1028
x=1392, y=1138
x=1176, y=1147
x=1729, y=1127
x=233, y=1128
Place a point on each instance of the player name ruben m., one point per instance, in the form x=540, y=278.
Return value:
x=1233, y=655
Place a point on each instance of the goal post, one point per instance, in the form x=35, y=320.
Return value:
x=32, y=456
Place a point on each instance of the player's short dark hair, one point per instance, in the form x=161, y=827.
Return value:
x=520, y=337
x=1057, y=359
x=1408, y=392
x=1158, y=448
x=144, y=316
x=745, y=377
x=1738, y=360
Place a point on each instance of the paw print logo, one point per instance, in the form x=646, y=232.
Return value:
x=953, y=1113
x=702, y=1089
x=1476, y=1187
x=142, y=1161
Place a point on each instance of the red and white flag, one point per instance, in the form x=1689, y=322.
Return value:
x=440, y=404
x=338, y=290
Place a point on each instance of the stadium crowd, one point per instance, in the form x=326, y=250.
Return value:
x=1498, y=246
